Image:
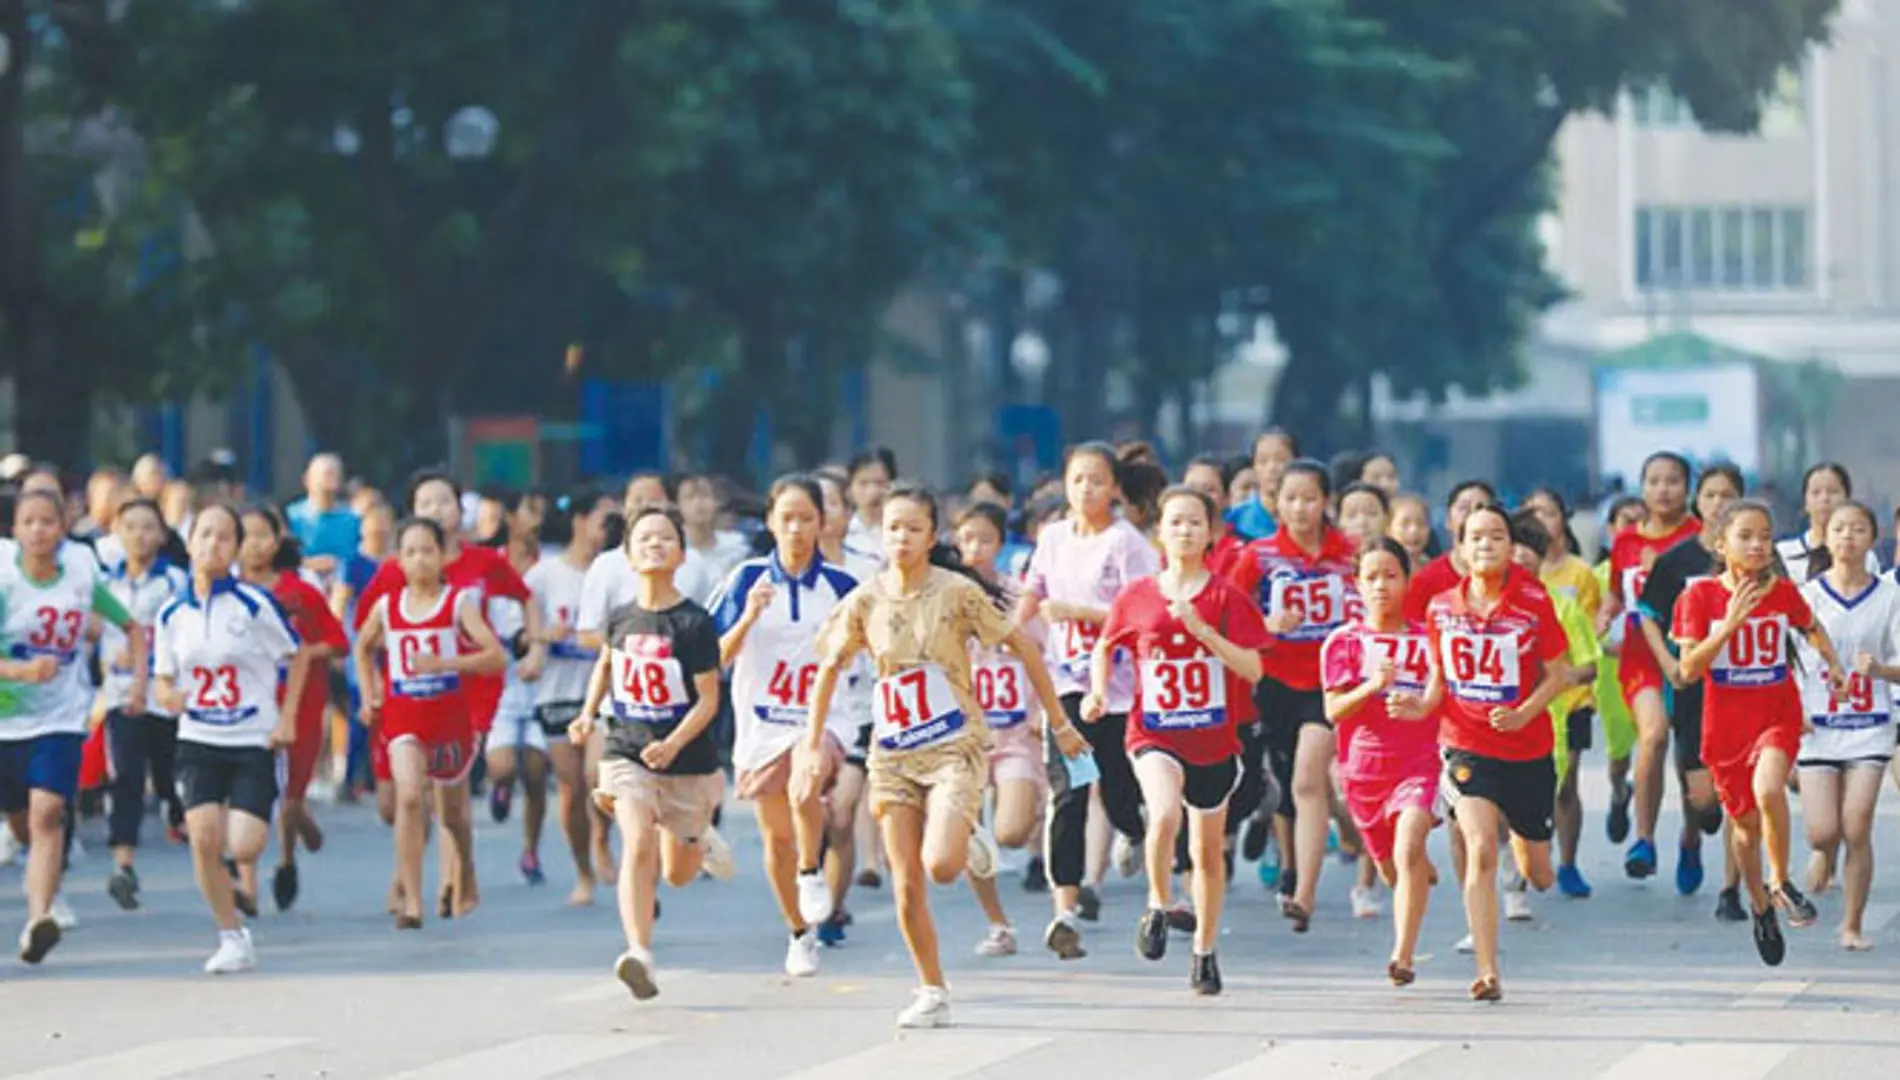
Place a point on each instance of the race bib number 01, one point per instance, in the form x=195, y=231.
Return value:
x=1183, y=694
x=1867, y=703
x=648, y=689
x=1002, y=689
x=916, y=708
x=1482, y=667
x=1757, y=654
x=405, y=646
x=1409, y=655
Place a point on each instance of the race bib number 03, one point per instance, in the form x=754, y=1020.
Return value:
x=916, y=708
x=1409, y=655
x=1481, y=667
x=1002, y=689
x=1183, y=694
x=1757, y=654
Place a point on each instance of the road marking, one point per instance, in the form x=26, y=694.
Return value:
x=1775, y=993
x=1875, y=920
x=924, y=1055
x=1730, y=1061
x=174, y=1057
x=534, y=1057
x=1328, y=1059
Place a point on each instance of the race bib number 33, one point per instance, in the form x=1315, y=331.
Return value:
x=916, y=708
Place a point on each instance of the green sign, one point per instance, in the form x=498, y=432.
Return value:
x=1663, y=410
x=507, y=463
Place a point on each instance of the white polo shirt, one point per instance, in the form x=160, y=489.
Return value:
x=144, y=598
x=225, y=653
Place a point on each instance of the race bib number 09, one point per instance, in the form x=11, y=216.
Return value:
x=1183, y=694
x=1482, y=667
x=1757, y=654
x=916, y=708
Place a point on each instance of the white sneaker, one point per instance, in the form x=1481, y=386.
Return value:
x=1466, y=945
x=814, y=897
x=1365, y=903
x=715, y=856
x=929, y=1009
x=634, y=969
x=983, y=856
x=801, y=955
x=62, y=913
x=1001, y=941
x=1517, y=906
x=234, y=954
x=37, y=938
x=1127, y=855
x=1064, y=937
x=9, y=847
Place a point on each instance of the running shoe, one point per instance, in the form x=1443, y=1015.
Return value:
x=500, y=798
x=283, y=886
x=123, y=887
x=1205, y=978
x=1000, y=941
x=1570, y=882
x=1253, y=839
x=234, y=954
x=831, y=931
x=1709, y=819
x=530, y=867
x=869, y=878
x=1151, y=935
x=247, y=904
x=1365, y=903
x=38, y=938
x=983, y=857
x=814, y=896
x=1728, y=906
x=1064, y=937
x=1768, y=940
x=1798, y=908
x=1640, y=863
x=715, y=856
x=1269, y=868
x=1035, y=876
x=1466, y=945
x=1517, y=906
x=1088, y=904
x=930, y=1008
x=634, y=969
x=801, y=955
x=1127, y=855
x=1688, y=870
x=1181, y=918
x=9, y=847
x=1617, y=825
x=62, y=913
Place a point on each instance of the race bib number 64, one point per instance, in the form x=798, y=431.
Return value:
x=1481, y=667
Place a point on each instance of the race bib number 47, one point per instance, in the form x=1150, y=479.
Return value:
x=1481, y=667
x=916, y=708
x=1183, y=694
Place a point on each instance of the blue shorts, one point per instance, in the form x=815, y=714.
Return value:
x=44, y=763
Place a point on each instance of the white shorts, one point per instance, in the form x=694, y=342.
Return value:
x=518, y=730
x=1835, y=747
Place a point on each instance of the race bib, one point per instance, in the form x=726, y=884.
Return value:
x=1002, y=688
x=648, y=689
x=405, y=647
x=1409, y=654
x=787, y=697
x=1866, y=703
x=1183, y=695
x=1634, y=578
x=916, y=708
x=1075, y=647
x=1482, y=667
x=1320, y=602
x=1756, y=655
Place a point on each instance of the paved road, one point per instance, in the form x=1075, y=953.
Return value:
x=1635, y=982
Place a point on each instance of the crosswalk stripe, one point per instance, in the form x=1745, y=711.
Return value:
x=534, y=1057
x=1775, y=993
x=924, y=1055
x=1328, y=1059
x=1730, y=1061
x=173, y=1057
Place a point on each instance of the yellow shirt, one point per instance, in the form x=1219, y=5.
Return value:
x=1574, y=578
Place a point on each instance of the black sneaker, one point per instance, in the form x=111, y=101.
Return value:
x=1253, y=840
x=1768, y=940
x=1151, y=937
x=1618, y=824
x=1088, y=904
x=245, y=903
x=1205, y=978
x=1728, y=906
x=283, y=886
x=1709, y=819
x=38, y=939
x=124, y=888
x=1181, y=919
x=1035, y=876
x=1798, y=908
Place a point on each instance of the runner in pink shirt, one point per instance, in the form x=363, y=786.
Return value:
x=1376, y=671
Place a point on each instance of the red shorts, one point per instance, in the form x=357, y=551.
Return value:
x=301, y=757
x=1732, y=761
x=1380, y=787
x=447, y=760
x=379, y=755
x=1637, y=669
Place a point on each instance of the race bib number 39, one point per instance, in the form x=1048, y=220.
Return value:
x=916, y=708
x=1002, y=689
x=1183, y=694
x=1866, y=703
x=1481, y=667
x=1757, y=654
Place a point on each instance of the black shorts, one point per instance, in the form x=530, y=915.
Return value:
x=1525, y=792
x=555, y=716
x=1203, y=787
x=1283, y=712
x=859, y=751
x=1578, y=729
x=240, y=777
x=1685, y=723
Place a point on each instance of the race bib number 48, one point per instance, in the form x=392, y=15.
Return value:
x=648, y=689
x=1757, y=654
x=1481, y=667
x=1183, y=694
x=916, y=708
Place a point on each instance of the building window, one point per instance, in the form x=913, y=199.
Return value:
x=1784, y=108
x=1723, y=249
x=1657, y=107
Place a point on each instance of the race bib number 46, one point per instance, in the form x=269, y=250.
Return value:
x=916, y=708
x=787, y=698
x=1183, y=694
x=1481, y=667
x=1757, y=654
x=1002, y=689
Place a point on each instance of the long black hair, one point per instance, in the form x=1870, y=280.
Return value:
x=942, y=555
x=766, y=543
x=289, y=549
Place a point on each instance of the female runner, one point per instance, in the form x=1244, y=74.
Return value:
x=1080, y=565
x=425, y=631
x=1444, y=572
x=220, y=650
x=660, y=673
x=1824, y=487
x=1196, y=640
x=1365, y=512
x=846, y=818
x=1501, y=662
x=1411, y=526
x=1852, y=738
x=48, y=603
x=1377, y=670
x=1619, y=729
x=268, y=559
x=1564, y=572
x=1632, y=555
x=1733, y=629
x=870, y=475
x=769, y=613
x=928, y=754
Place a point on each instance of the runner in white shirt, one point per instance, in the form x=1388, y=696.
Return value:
x=847, y=818
x=219, y=651
x=711, y=552
x=870, y=474
x=768, y=615
x=1851, y=738
x=1824, y=487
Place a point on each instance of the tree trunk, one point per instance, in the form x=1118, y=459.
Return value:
x=53, y=404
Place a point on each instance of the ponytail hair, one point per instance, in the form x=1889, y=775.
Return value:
x=944, y=556
x=289, y=549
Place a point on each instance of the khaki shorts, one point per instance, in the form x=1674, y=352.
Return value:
x=945, y=779
x=775, y=777
x=682, y=805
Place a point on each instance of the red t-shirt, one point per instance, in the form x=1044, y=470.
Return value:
x=309, y=615
x=481, y=572
x=1632, y=554
x=1278, y=573
x=1439, y=576
x=1749, y=686
x=1495, y=660
x=1225, y=555
x=1349, y=658
x=1187, y=702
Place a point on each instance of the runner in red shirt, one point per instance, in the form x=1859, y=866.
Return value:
x=1501, y=659
x=1196, y=639
x=1208, y=475
x=1301, y=579
x=1734, y=630
x=1444, y=572
x=1377, y=671
x=1667, y=522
